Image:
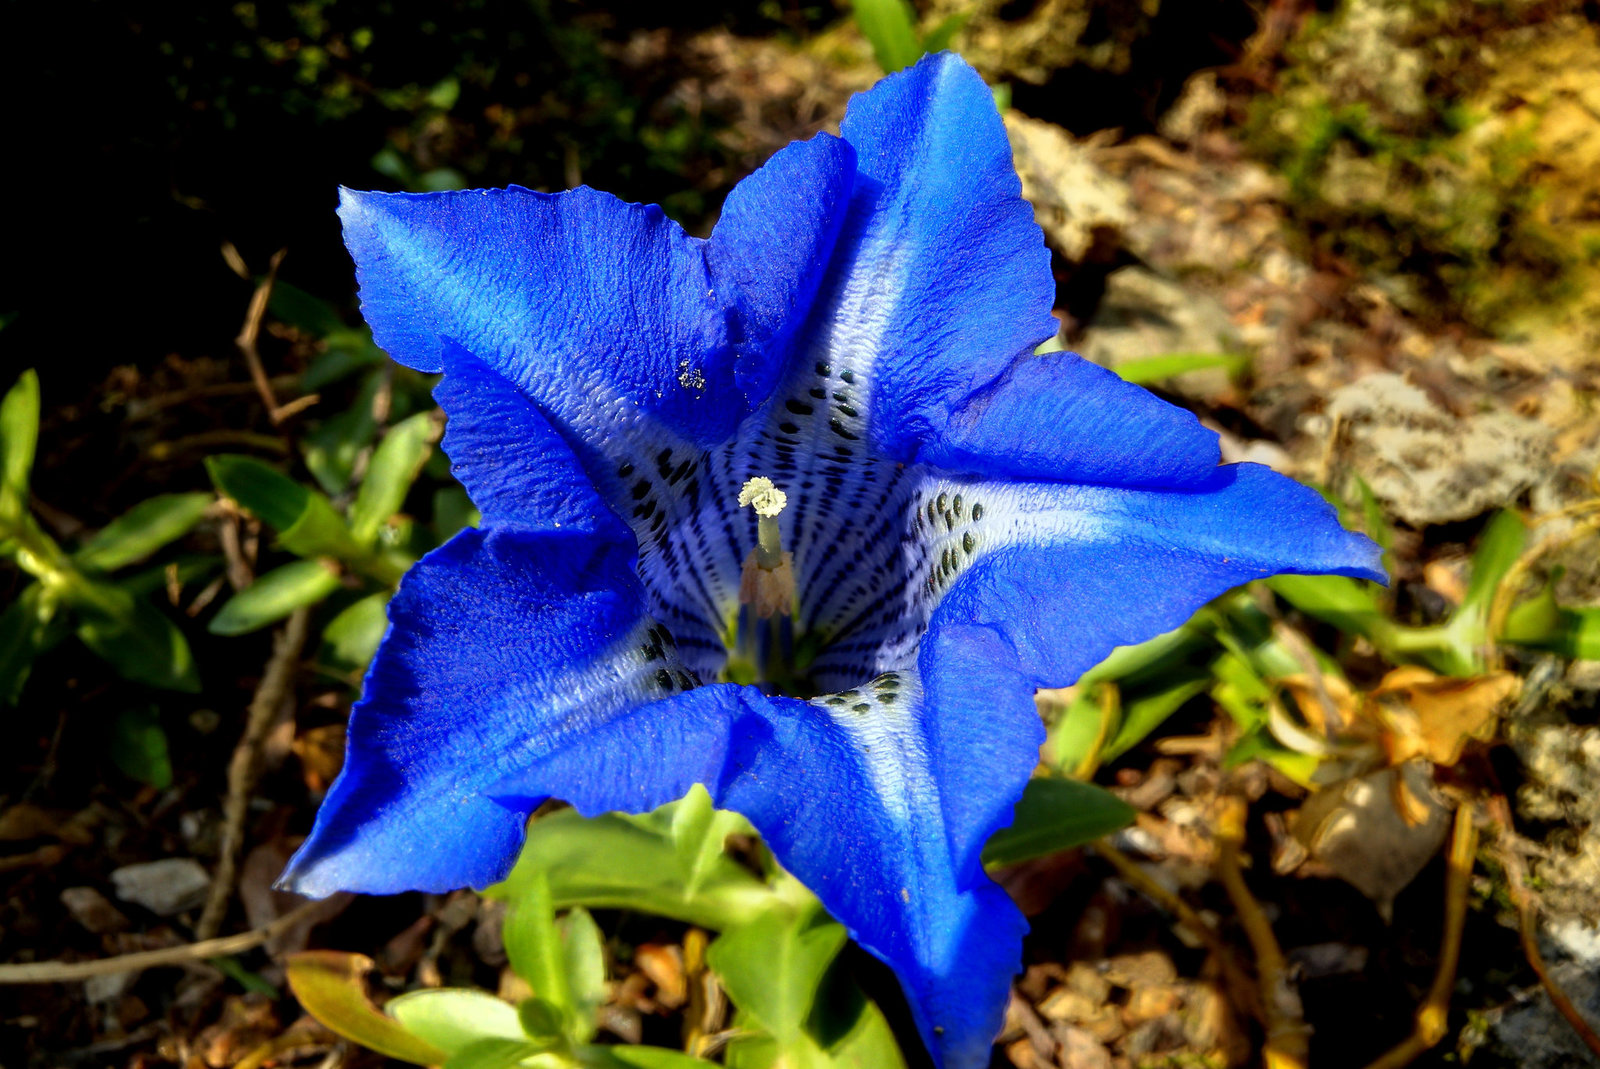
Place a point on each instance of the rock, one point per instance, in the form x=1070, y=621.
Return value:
x=1143, y=314
x=1563, y=788
x=1075, y=202
x=166, y=887
x=1530, y=1034
x=1427, y=466
x=108, y=987
x=1356, y=829
x=93, y=910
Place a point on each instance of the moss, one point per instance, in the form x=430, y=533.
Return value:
x=1393, y=166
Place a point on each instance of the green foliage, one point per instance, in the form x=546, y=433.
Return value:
x=890, y=27
x=1056, y=814
x=111, y=617
x=1159, y=368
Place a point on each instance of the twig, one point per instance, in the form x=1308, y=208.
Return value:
x=1244, y=989
x=1287, y=1046
x=277, y=683
x=53, y=972
x=1432, y=1015
x=1527, y=918
x=246, y=341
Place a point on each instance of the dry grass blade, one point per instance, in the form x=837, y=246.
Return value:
x=1435, y=1008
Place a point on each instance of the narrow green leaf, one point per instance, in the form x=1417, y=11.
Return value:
x=19, y=435
x=890, y=27
x=1348, y=604
x=394, y=467
x=453, y=511
x=632, y=1057
x=493, y=1054
x=1143, y=714
x=348, y=351
x=583, y=955
x=1055, y=814
x=1541, y=623
x=23, y=627
x=300, y=309
x=275, y=499
x=273, y=596
x=330, y=449
x=351, y=638
x=453, y=1018
x=533, y=944
x=1498, y=549
x=620, y=862
x=940, y=36
x=135, y=637
x=141, y=531
x=542, y=1023
x=329, y=985
x=138, y=747
x=773, y=966
x=1157, y=368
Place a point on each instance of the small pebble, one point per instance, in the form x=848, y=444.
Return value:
x=93, y=910
x=164, y=887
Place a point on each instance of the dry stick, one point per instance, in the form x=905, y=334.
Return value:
x=1435, y=1009
x=1244, y=990
x=1527, y=917
x=246, y=341
x=51, y=972
x=1287, y=1046
x=276, y=685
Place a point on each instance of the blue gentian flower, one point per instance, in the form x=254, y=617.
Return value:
x=814, y=450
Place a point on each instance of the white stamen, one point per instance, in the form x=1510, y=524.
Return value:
x=767, y=584
x=760, y=494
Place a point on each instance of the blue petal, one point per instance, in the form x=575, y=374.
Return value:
x=505, y=646
x=515, y=466
x=941, y=279
x=1067, y=573
x=1060, y=417
x=880, y=798
x=772, y=245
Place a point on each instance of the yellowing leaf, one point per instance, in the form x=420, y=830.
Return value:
x=1425, y=715
x=329, y=985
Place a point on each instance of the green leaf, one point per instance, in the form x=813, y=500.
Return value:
x=940, y=36
x=351, y=638
x=139, y=747
x=845, y=1031
x=889, y=25
x=19, y=437
x=1055, y=814
x=301, y=310
x=533, y=944
x=305, y=520
x=1498, y=549
x=453, y=511
x=773, y=966
x=542, y=1023
x=329, y=985
x=141, y=531
x=1157, y=368
x=1145, y=713
x=134, y=636
x=1348, y=604
x=24, y=628
x=1155, y=657
x=452, y=1018
x=275, y=499
x=494, y=1054
x=584, y=959
x=631, y=1057
x=698, y=832
x=394, y=467
x=273, y=596
x=1541, y=623
x=331, y=449
x=348, y=351
x=620, y=862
